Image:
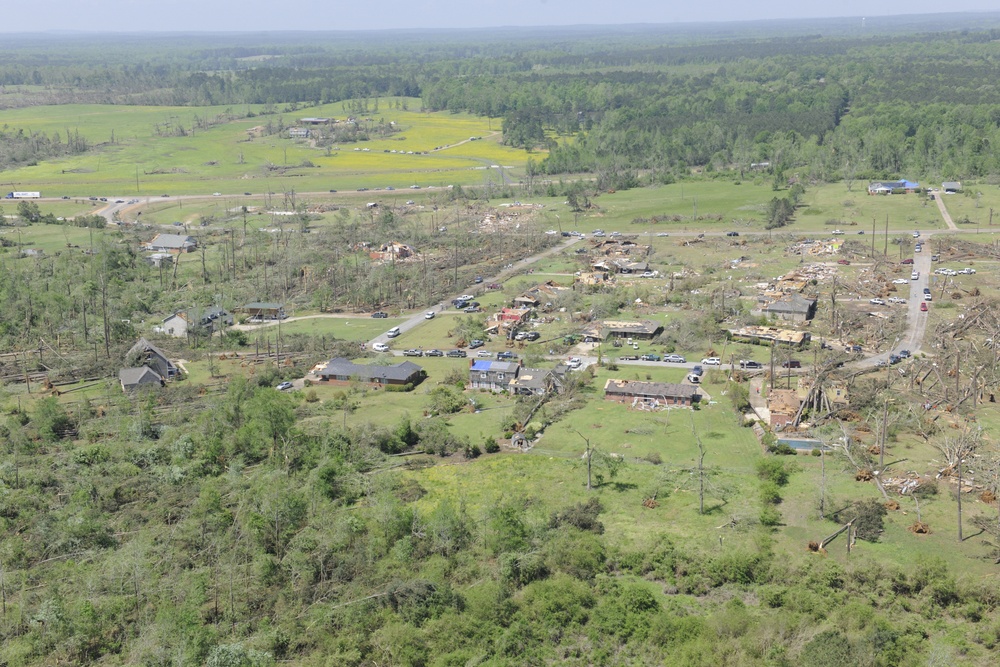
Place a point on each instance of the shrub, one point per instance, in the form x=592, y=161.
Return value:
x=772, y=470
x=490, y=445
x=472, y=451
x=770, y=493
x=580, y=515
x=769, y=516
x=654, y=458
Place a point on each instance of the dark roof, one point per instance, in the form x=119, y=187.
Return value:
x=172, y=241
x=144, y=345
x=368, y=372
x=532, y=378
x=132, y=377
x=262, y=305
x=794, y=303
x=483, y=365
x=650, y=389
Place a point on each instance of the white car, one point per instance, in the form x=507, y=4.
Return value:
x=916, y=235
x=837, y=232
x=484, y=354
x=466, y=297
x=574, y=362
x=876, y=302
x=900, y=281
x=896, y=299
x=380, y=347
x=429, y=315
x=711, y=361
x=967, y=271
x=915, y=275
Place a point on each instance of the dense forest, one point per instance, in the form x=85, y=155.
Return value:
x=841, y=105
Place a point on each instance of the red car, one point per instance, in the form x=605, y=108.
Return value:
x=908, y=260
x=845, y=262
x=923, y=306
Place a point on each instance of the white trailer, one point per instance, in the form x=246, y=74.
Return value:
x=23, y=195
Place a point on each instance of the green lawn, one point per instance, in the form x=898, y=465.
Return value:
x=360, y=328
x=137, y=155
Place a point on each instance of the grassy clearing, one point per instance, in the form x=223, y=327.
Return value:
x=343, y=328
x=132, y=160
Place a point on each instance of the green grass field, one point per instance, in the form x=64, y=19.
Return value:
x=132, y=159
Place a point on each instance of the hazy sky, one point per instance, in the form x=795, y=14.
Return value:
x=257, y=15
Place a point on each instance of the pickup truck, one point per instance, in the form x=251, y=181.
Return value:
x=629, y=357
x=650, y=357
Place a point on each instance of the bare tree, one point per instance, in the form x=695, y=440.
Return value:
x=956, y=452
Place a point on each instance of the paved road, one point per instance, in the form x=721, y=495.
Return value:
x=916, y=320
x=512, y=269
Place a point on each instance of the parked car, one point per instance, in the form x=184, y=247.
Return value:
x=380, y=347
x=928, y=297
x=895, y=358
x=732, y=233
x=837, y=232
x=896, y=299
x=845, y=262
x=900, y=281
x=433, y=353
x=532, y=335
x=506, y=356
x=466, y=297
x=908, y=260
x=429, y=315
x=674, y=359
x=923, y=307
x=650, y=357
x=792, y=363
x=697, y=370
x=574, y=362
x=461, y=354
x=967, y=271
x=379, y=315
x=876, y=302
x=916, y=235
x=750, y=364
x=412, y=353
x=712, y=361
x=475, y=343
x=915, y=275
x=284, y=386
x=905, y=354
x=917, y=248
x=472, y=309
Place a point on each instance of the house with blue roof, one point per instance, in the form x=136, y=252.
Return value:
x=492, y=375
x=888, y=187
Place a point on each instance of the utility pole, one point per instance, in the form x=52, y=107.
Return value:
x=885, y=250
x=885, y=427
x=873, y=237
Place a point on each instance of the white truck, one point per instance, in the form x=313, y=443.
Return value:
x=23, y=195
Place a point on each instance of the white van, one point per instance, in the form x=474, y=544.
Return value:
x=393, y=332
